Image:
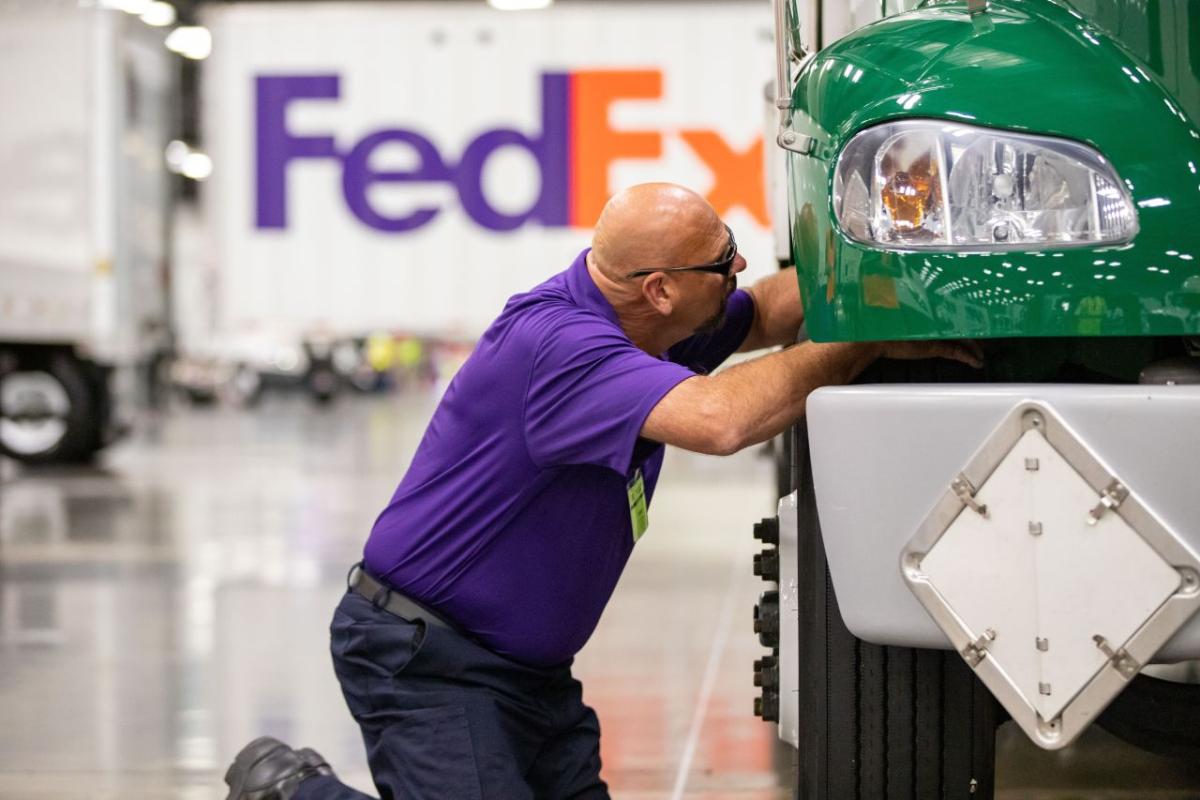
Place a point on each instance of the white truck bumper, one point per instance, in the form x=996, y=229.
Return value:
x=1048, y=533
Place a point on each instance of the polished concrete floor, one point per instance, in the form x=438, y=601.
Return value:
x=159, y=610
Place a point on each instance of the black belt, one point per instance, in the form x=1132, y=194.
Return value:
x=391, y=601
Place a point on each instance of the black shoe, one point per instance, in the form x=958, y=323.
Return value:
x=267, y=769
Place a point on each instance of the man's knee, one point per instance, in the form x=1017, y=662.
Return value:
x=425, y=753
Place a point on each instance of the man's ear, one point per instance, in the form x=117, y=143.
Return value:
x=659, y=293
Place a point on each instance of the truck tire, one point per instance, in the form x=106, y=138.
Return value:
x=1157, y=715
x=879, y=723
x=322, y=383
x=50, y=411
x=244, y=388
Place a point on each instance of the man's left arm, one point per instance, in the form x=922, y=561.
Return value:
x=778, y=312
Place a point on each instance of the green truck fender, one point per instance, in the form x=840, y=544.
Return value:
x=1036, y=67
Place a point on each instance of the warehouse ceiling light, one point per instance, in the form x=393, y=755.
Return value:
x=176, y=152
x=185, y=160
x=159, y=15
x=197, y=166
x=190, y=41
x=519, y=5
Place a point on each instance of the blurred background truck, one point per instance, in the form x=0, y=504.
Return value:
x=84, y=224
x=378, y=178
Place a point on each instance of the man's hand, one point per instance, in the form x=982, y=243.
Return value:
x=966, y=351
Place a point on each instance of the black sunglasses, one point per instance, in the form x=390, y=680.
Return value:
x=723, y=267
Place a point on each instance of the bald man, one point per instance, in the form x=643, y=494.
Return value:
x=492, y=563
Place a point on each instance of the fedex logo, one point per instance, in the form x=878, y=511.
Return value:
x=573, y=151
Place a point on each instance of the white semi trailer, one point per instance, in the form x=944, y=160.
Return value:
x=408, y=166
x=86, y=94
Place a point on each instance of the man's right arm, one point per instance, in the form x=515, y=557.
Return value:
x=758, y=399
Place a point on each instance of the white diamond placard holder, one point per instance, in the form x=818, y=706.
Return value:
x=1049, y=575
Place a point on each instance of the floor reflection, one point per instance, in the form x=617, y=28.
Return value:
x=161, y=609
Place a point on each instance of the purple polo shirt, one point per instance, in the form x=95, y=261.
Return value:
x=513, y=518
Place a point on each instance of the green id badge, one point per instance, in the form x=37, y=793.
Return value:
x=638, y=518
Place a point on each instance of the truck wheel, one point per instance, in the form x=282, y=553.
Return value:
x=244, y=388
x=322, y=385
x=879, y=723
x=49, y=412
x=1157, y=715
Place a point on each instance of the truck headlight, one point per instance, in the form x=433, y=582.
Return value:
x=927, y=184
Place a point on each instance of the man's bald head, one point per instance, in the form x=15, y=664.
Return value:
x=655, y=225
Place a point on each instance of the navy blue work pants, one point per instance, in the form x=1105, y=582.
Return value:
x=444, y=718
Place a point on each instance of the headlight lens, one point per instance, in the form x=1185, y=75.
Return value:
x=926, y=184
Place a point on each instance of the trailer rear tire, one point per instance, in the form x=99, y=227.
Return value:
x=244, y=388
x=875, y=722
x=322, y=385
x=50, y=411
